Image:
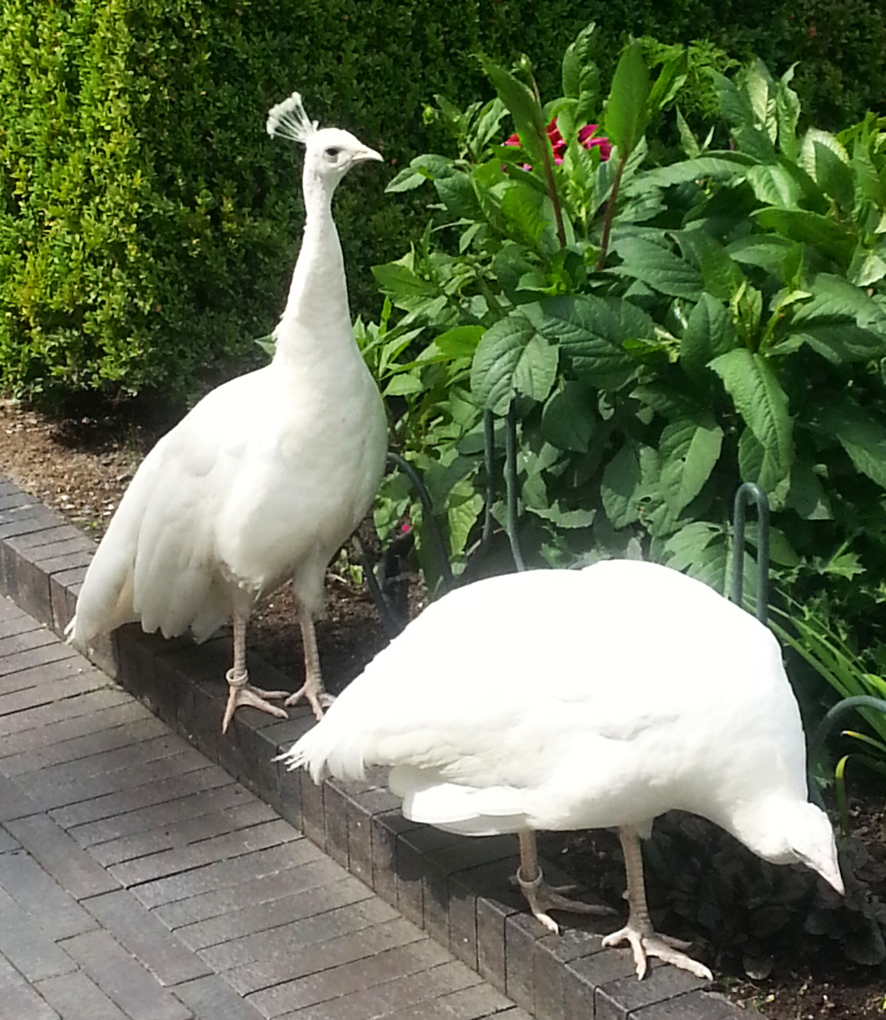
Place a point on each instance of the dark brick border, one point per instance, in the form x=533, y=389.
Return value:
x=456, y=889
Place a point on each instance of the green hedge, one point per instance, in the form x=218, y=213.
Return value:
x=148, y=226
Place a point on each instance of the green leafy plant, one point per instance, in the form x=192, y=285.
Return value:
x=659, y=332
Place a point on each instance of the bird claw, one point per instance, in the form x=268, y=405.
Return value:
x=317, y=699
x=254, y=697
x=663, y=947
x=542, y=897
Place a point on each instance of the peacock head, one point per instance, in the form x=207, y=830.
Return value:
x=791, y=831
x=329, y=152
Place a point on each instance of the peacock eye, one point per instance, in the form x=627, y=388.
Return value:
x=332, y=151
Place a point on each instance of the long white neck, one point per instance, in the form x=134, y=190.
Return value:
x=316, y=313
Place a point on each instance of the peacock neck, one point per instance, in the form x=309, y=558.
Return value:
x=316, y=313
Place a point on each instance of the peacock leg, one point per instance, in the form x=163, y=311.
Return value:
x=543, y=897
x=241, y=692
x=312, y=690
x=643, y=938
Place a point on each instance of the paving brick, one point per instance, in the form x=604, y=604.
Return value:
x=364, y=974
x=59, y=855
x=25, y=640
x=18, y=1000
x=11, y=500
x=294, y=936
x=312, y=959
x=694, y=1006
x=52, y=792
x=7, y=842
x=61, y=545
x=27, y=946
x=260, y=917
x=230, y=872
x=17, y=622
x=14, y=802
x=156, y=817
x=290, y=879
x=60, y=751
x=146, y=937
x=313, y=814
x=157, y=791
x=51, y=651
x=386, y=827
x=383, y=1000
x=335, y=814
x=60, y=681
x=46, y=536
x=99, y=694
x=212, y=998
x=549, y=954
x=63, y=587
x=202, y=827
x=48, y=741
x=475, y=1003
x=522, y=931
x=41, y=897
x=186, y=858
x=123, y=979
x=27, y=583
x=26, y=519
x=617, y=999
x=75, y=996
x=585, y=974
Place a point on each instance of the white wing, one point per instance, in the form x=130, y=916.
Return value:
x=589, y=692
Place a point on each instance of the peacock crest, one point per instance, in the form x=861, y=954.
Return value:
x=289, y=120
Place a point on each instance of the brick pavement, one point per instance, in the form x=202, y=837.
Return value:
x=140, y=881
x=108, y=816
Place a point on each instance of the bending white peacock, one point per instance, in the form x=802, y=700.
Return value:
x=267, y=476
x=559, y=699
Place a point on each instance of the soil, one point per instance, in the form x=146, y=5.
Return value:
x=81, y=466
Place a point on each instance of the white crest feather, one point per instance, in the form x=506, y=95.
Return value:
x=290, y=120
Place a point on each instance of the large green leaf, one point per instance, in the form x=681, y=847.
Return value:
x=568, y=419
x=773, y=185
x=841, y=322
x=718, y=166
x=722, y=276
x=827, y=162
x=524, y=108
x=620, y=487
x=758, y=396
x=657, y=267
x=626, y=110
x=591, y=332
x=709, y=333
x=810, y=228
x=861, y=434
x=512, y=357
x=689, y=451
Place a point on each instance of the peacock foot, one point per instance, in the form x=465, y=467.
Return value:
x=542, y=897
x=645, y=942
x=243, y=693
x=315, y=696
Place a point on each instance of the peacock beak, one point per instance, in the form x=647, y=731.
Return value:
x=365, y=154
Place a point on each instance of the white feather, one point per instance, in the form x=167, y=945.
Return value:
x=266, y=477
x=579, y=699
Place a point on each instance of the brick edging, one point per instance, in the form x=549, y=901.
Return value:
x=453, y=887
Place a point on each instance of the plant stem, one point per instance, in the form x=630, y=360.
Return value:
x=549, y=173
x=610, y=213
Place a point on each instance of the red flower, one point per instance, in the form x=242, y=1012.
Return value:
x=588, y=141
x=585, y=137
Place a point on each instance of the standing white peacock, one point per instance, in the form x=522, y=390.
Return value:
x=558, y=699
x=268, y=474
